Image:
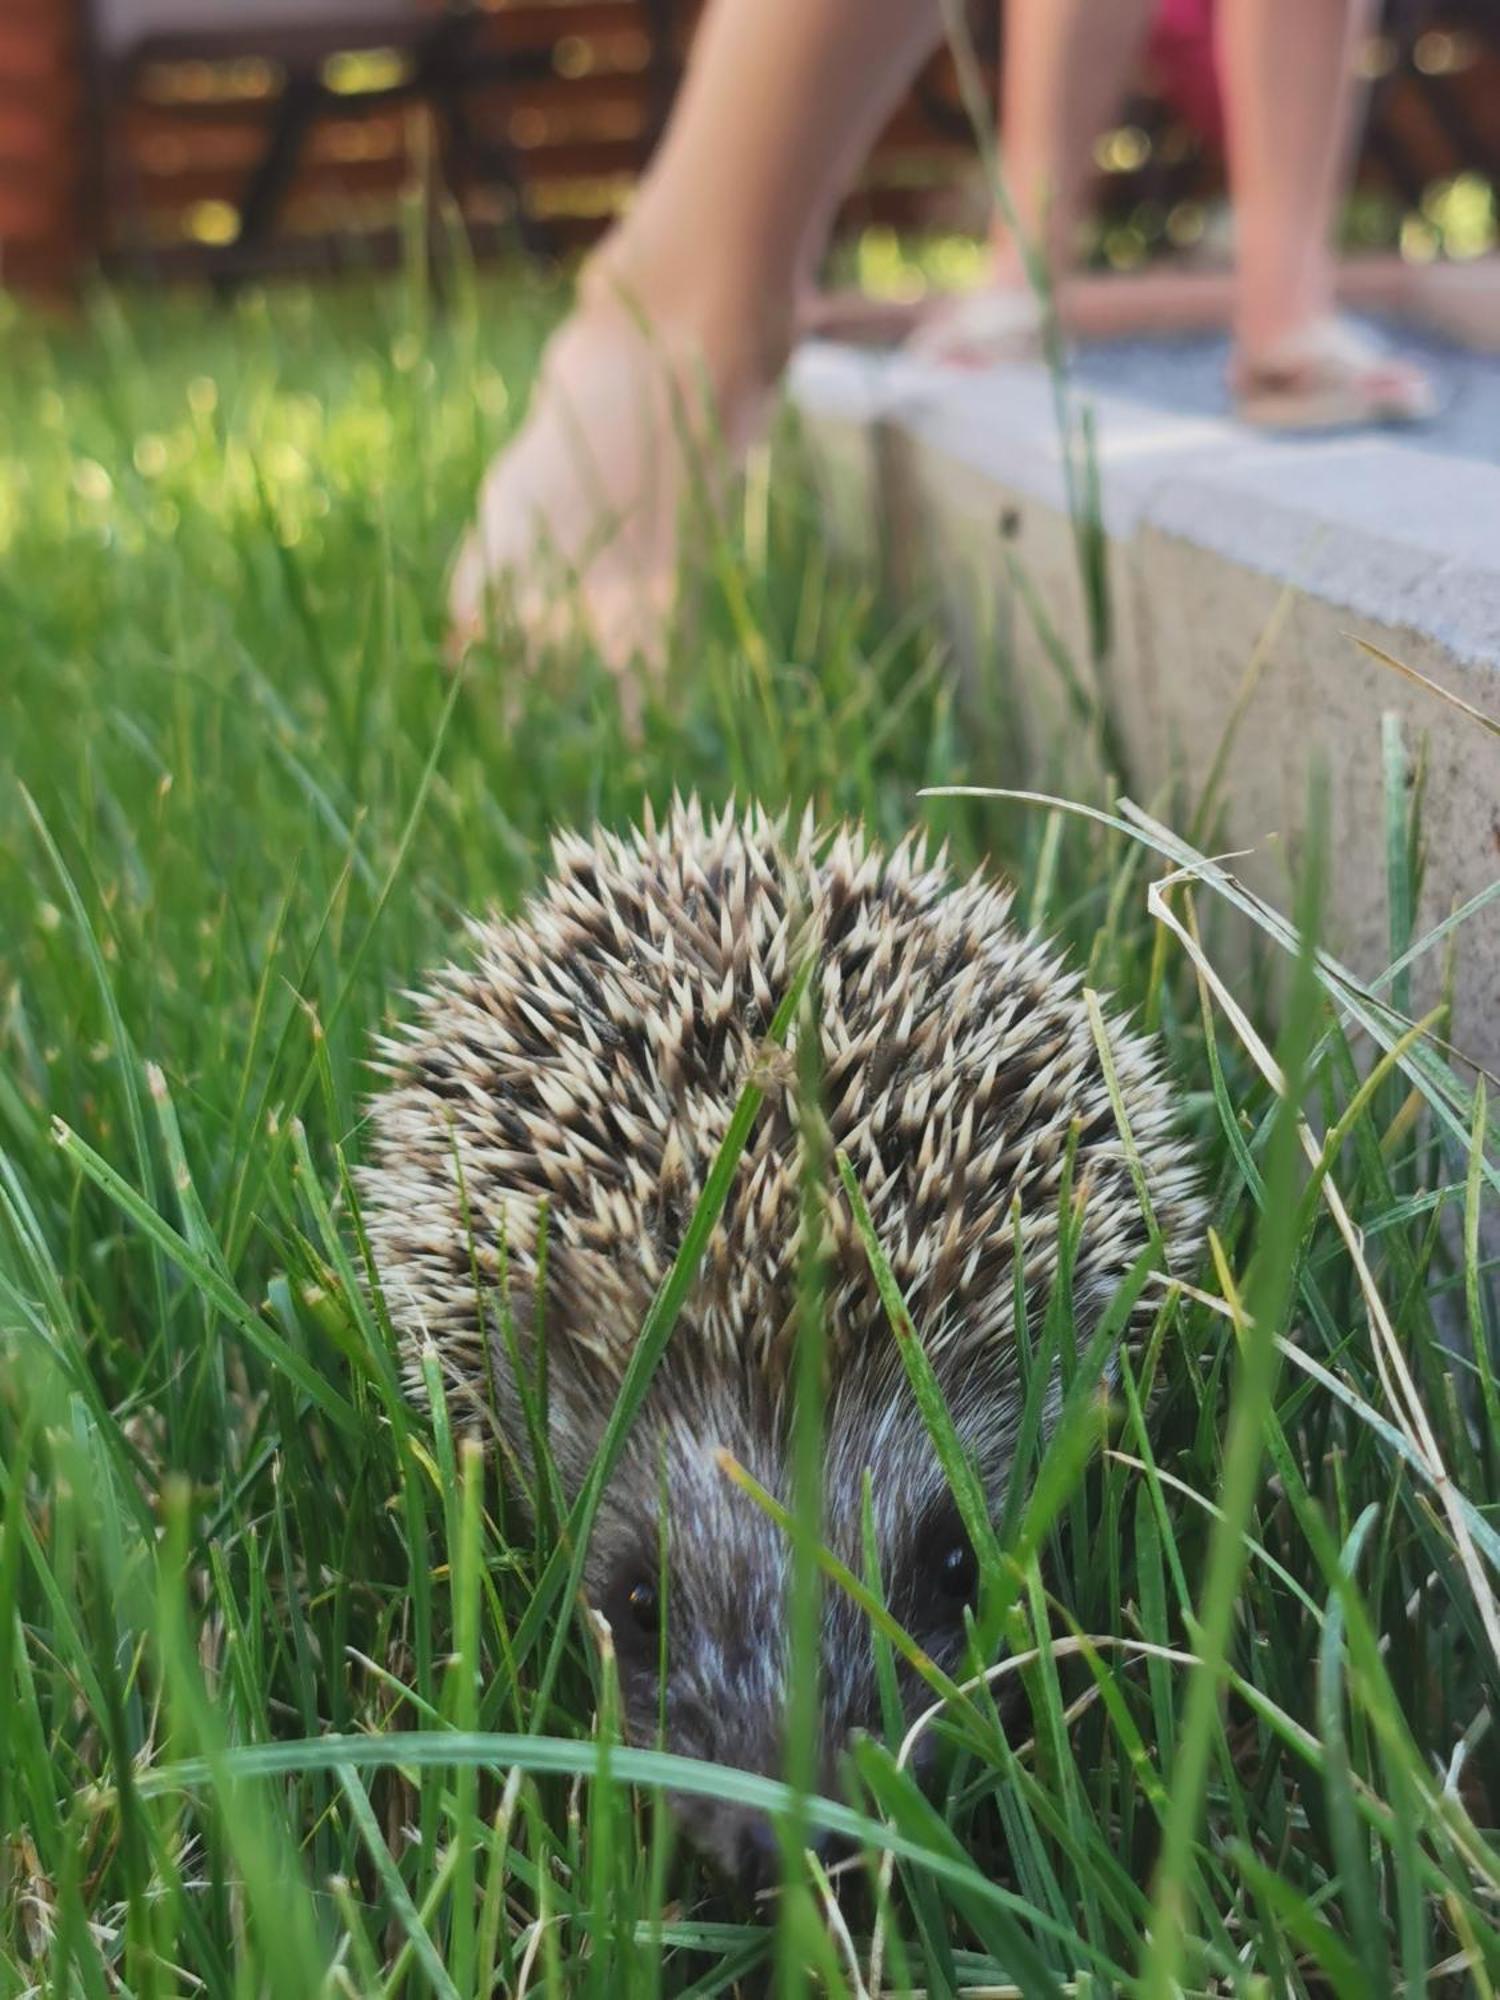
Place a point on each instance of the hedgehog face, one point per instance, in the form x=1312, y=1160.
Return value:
x=705, y=1663
x=585, y=1062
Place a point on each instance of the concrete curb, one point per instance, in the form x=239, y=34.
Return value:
x=1216, y=542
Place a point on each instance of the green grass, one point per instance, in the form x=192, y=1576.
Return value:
x=286, y=1706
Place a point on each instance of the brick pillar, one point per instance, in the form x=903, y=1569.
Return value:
x=43, y=144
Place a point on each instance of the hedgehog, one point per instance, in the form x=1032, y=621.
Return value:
x=585, y=1059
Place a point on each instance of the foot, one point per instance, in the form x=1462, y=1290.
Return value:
x=853, y=316
x=632, y=425
x=983, y=329
x=1328, y=376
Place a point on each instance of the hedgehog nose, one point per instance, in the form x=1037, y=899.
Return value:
x=760, y=1854
x=760, y=1851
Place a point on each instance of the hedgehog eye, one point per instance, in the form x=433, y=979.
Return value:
x=633, y=1608
x=944, y=1573
x=643, y=1608
x=957, y=1573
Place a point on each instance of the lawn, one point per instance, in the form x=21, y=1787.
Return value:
x=283, y=1710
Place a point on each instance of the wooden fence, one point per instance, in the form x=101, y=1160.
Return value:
x=540, y=113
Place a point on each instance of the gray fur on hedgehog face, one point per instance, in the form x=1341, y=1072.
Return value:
x=588, y=1057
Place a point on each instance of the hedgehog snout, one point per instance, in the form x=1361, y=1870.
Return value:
x=724, y=1699
x=742, y=1840
x=725, y=1703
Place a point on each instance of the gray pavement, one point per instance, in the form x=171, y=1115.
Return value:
x=1184, y=374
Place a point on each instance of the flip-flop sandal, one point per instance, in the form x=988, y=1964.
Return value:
x=982, y=330
x=1332, y=376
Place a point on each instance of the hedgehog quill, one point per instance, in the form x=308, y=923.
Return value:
x=588, y=1056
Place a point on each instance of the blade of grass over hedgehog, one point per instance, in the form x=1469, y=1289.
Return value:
x=837, y=1572
x=564, y=1572
x=655, y=1769
x=1075, y=1430
x=801, y=1934
x=962, y=1479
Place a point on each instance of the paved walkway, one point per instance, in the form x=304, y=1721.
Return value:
x=1184, y=374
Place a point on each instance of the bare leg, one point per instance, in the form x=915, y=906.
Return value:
x=685, y=314
x=1290, y=103
x=1067, y=64
x=1065, y=67
x=1288, y=68
x=1289, y=77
